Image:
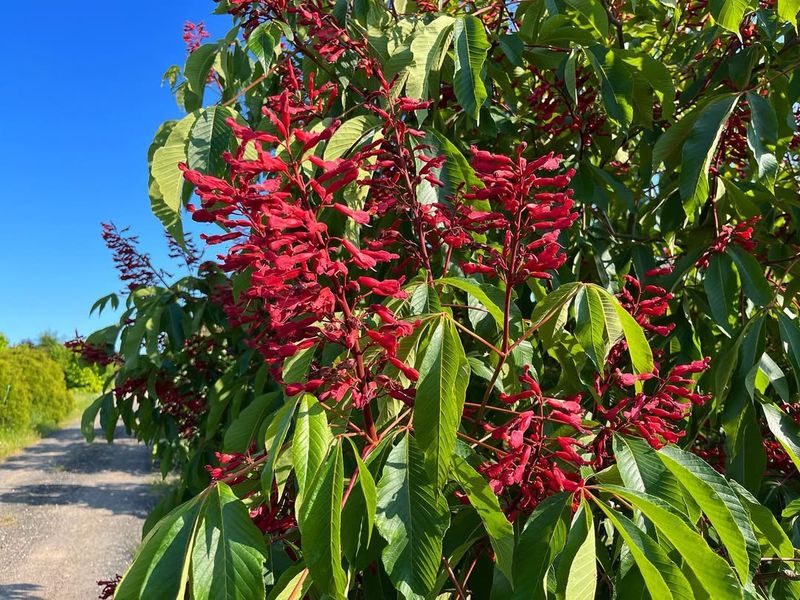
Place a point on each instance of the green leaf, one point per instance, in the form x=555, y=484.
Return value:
x=160, y=567
x=310, y=442
x=319, y=518
x=456, y=173
x=470, y=45
x=477, y=291
x=765, y=523
x=699, y=150
x=275, y=436
x=616, y=83
x=540, y=541
x=762, y=136
x=89, y=416
x=198, y=65
x=719, y=283
x=244, y=430
x=552, y=304
x=263, y=43
x=229, y=550
x=788, y=9
x=209, y=137
x=166, y=190
x=576, y=577
x=368, y=490
x=720, y=504
x=441, y=391
x=598, y=325
x=790, y=336
x=349, y=134
x=710, y=569
x=662, y=577
x=294, y=587
x=729, y=13
x=751, y=273
x=427, y=49
x=412, y=517
x=785, y=431
x=485, y=502
x=642, y=470
x=638, y=347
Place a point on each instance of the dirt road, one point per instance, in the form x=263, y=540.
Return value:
x=70, y=513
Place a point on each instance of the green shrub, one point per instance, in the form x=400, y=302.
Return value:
x=15, y=397
x=44, y=378
x=78, y=375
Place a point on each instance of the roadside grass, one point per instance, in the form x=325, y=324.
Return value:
x=11, y=441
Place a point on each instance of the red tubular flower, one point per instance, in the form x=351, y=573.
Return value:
x=529, y=218
x=740, y=234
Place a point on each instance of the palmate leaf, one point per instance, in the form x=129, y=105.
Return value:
x=228, y=552
x=470, y=46
x=540, y=541
x=427, y=49
x=576, y=577
x=729, y=13
x=661, y=575
x=319, y=518
x=245, y=429
x=599, y=327
x=441, y=390
x=208, y=542
x=349, y=134
x=710, y=569
x=412, y=517
x=720, y=504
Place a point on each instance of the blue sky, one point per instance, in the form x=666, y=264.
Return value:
x=80, y=99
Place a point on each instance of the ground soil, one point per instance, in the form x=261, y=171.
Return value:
x=71, y=513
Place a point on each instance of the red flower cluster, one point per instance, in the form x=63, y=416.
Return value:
x=740, y=234
x=193, y=35
x=308, y=285
x=534, y=460
x=134, y=267
x=91, y=354
x=553, y=115
x=528, y=209
x=184, y=407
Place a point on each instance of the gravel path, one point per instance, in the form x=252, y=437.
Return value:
x=71, y=513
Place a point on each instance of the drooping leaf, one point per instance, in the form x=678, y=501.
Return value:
x=699, y=150
x=412, y=517
x=541, y=539
x=349, y=134
x=198, y=66
x=229, y=550
x=441, y=390
x=245, y=429
x=166, y=191
x=311, y=441
x=209, y=137
x=751, y=273
x=661, y=575
x=485, y=502
x=785, y=431
x=576, y=577
x=715, y=575
x=470, y=45
x=720, y=504
x=319, y=518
